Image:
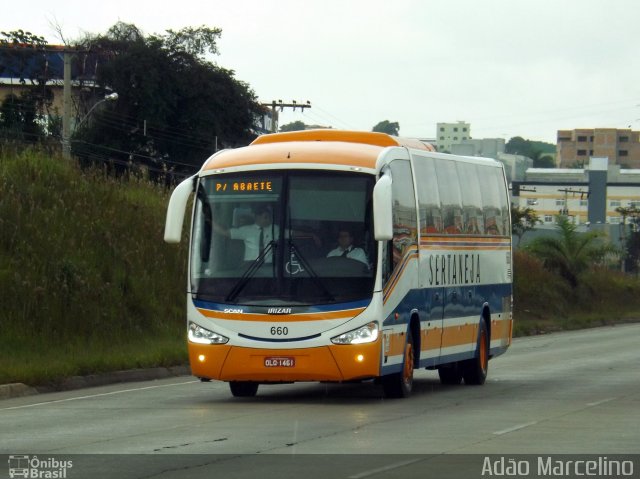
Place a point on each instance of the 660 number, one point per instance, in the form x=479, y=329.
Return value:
x=279, y=331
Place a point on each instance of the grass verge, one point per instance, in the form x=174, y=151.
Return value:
x=87, y=283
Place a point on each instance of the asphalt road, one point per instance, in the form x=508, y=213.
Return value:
x=564, y=393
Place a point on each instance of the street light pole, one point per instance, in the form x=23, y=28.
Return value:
x=110, y=97
x=68, y=131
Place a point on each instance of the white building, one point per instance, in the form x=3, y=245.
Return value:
x=449, y=134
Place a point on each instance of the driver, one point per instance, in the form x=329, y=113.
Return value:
x=346, y=249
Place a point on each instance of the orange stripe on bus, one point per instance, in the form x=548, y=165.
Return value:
x=346, y=314
x=464, y=238
x=413, y=254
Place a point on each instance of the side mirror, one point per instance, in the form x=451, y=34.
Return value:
x=176, y=211
x=383, y=209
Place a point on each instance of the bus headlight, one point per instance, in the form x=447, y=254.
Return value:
x=365, y=334
x=200, y=335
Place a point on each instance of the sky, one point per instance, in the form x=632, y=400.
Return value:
x=508, y=67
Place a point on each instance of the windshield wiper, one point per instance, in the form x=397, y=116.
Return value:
x=249, y=273
x=293, y=249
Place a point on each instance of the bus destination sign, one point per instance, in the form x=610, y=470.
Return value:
x=234, y=186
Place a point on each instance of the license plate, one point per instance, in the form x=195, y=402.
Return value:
x=279, y=362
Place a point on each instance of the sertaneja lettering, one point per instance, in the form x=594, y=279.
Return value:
x=454, y=269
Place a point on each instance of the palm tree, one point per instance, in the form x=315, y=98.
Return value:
x=571, y=253
x=523, y=220
x=633, y=212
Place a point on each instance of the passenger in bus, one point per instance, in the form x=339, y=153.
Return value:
x=259, y=234
x=346, y=249
x=256, y=235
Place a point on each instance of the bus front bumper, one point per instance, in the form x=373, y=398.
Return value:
x=333, y=363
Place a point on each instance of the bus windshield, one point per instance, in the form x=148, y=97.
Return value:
x=283, y=238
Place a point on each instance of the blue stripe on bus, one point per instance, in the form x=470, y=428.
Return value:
x=422, y=300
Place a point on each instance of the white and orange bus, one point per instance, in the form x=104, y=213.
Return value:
x=268, y=303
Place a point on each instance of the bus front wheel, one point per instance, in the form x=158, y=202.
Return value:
x=243, y=388
x=400, y=385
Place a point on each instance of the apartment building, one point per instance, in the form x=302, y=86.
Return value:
x=449, y=134
x=621, y=146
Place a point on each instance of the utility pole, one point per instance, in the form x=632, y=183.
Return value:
x=274, y=105
x=66, y=106
x=565, y=210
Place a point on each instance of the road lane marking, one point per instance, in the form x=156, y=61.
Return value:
x=597, y=403
x=95, y=395
x=390, y=467
x=515, y=428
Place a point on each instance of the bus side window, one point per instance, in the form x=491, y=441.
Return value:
x=405, y=228
x=471, y=199
x=449, y=189
x=428, y=198
x=491, y=201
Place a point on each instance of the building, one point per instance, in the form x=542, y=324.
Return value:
x=515, y=166
x=620, y=146
x=487, y=147
x=449, y=134
x=573, y=192
x=41, y=71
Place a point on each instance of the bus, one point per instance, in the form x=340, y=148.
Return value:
x=434, y=292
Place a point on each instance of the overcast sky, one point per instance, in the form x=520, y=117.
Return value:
x=508, y=67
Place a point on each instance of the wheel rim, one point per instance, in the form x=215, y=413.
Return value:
x=407, y=372
x=484, y=356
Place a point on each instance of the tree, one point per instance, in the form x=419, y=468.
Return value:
x=539, y=151
x=294, y=126
x=523, y=220
x=571, y=253
x=174, y=107
x=544, y=161
x=18, y=119
x=387, y=127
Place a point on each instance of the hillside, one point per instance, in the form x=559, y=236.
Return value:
x=88, y=284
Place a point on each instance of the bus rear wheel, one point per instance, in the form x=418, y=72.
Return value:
x=474, y=371
x=400, y=385
x=243, y=388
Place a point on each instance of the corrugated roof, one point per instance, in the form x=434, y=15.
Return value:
x=23, y=61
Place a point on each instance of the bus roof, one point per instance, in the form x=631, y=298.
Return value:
x=367, y=137
x=347, y=148
x=297, y=152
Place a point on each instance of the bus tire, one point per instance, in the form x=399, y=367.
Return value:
x=450, y=374
x=243, y=388
x=400, y=385
x=474, y=371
